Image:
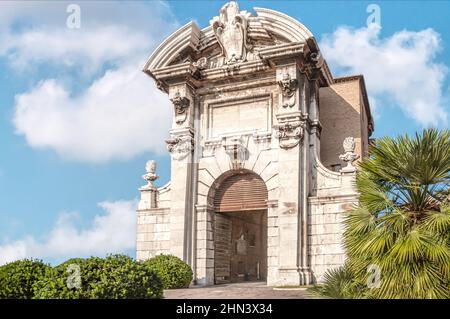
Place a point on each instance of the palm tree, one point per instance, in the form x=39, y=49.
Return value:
x=401, y=227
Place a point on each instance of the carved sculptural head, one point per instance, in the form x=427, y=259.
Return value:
x=285, y=81
x=288, y=86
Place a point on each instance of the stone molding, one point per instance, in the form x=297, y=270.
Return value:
x=281, y=52
x=262, y=140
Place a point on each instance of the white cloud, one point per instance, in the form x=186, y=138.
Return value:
x=401, y=68
x=119, y=113
x=87, y=48
x=36, y=32
x=112, y=232
x=117, y=117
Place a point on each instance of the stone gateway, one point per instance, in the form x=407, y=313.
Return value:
x=263, y=144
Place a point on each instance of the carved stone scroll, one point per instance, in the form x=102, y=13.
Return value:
x=180, y=146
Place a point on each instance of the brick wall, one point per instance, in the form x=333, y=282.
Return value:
x=342, y=114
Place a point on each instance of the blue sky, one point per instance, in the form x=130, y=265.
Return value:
x=78, y=120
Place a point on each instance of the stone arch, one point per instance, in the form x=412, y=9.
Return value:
x=232, y=178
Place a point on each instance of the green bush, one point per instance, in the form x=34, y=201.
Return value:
x=339, y=283
x=173, y=272
x=17, y=278
x=114, y=277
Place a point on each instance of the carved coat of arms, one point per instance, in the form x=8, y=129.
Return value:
x=230, y=29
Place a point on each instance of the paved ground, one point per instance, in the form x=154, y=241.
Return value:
x=248, y=290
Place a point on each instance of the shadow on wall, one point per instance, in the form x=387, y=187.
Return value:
x=339, y=120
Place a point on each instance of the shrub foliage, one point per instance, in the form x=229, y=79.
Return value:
x=114, y=277
x=17, y=278
x=173, y=271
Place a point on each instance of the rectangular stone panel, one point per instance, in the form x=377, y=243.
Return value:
x=239, y=116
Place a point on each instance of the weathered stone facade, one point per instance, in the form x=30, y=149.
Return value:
x=253, y=98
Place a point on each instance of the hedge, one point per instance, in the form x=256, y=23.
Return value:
x=17, y=278
x=173, y=271
x=114, y=277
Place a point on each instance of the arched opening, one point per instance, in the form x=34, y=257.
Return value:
x=240, y=228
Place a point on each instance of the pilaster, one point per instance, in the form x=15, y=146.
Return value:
x=181, y=146
x=204, y=272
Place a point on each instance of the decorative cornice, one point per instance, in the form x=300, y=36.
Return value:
x=282, y=51
x=232, y=31
x=188, y=37
x=185, y=38
x=234, y=70
x=281, y=24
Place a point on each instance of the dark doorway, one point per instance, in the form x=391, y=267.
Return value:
x=240, y=229
x=240, y=246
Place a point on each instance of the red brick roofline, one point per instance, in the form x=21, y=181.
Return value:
x=360, y=78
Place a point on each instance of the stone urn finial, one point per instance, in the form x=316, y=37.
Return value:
x=349, y=155
x=150, y=176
